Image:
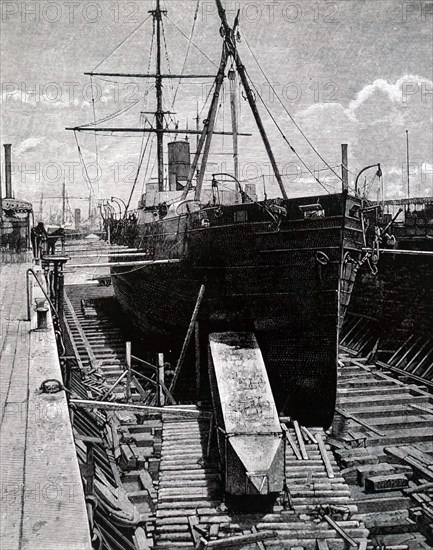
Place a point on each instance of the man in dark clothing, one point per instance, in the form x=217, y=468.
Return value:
x=39, y=238
x=53, y=238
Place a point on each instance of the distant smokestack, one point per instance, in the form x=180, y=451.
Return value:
x=77, y=216
x=344, y=166
x=8, y=171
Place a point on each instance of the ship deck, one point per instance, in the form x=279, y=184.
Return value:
x=42, y=495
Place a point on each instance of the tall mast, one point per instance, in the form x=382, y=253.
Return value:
x=41, y=206
x=157, y=16
x=207, y=137
x=407, y=161
x=206, y=134
x=232, y=79
x=64, y=202
x=231, y=46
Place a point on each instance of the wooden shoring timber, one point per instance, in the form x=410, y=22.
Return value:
x=139, y=388
x=291, y=442
x=325, y=457
x=114, y=386
x=300, y=439
x=423, y=488
x=125, y=264
x=155, y=383
x=416, y=464
x=188, y=336
x=237, y=540
x=308, y=434
x=92, y=357
x=369, y=427
x=419, y=379
x=421, y=408
x=341, y=531
x=110, y=255
x=112, y=406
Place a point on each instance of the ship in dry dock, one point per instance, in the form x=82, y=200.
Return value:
x=280, y=268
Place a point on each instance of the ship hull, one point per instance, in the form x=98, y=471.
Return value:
x=287, y=280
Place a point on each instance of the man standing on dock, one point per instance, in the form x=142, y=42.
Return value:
x=39, y=237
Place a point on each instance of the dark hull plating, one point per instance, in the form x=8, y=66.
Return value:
x=287, y=279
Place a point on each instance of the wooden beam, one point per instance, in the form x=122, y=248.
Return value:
x=340, y=531
x=237, y=540
x=150, y=130
x=325, y=457
x=145, y=75
x=291, y=442
x=125, y=264
x=107, y=254
x=345, y=414
x=187, y=338
x=300, y=439
x=112, y=406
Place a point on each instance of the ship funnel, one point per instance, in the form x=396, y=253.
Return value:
x=8, y=171
x=250, y=439
x=179, y=163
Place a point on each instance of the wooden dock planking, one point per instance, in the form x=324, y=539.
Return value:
x=42, y=496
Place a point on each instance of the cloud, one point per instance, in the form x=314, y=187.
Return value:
x=29, y=145
x=373, y=124
x=402, y=91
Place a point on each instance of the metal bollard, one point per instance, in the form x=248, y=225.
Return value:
x=42, y=315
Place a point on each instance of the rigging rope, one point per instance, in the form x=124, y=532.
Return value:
x=143, y=149
x=187, y=53
x=285, y=175
x=123, y=41
x=110, y=116
x=164, y=39
x=94, y=122
x=283, y=135
x=195, y=45
x=286, y=110
x=89, y=182
x=367, y=188
x=147, y=165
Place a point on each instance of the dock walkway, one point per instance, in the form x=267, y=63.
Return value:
x=43, y=505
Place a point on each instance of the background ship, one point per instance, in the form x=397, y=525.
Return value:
x=281, y=268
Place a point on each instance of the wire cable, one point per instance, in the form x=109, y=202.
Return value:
x=286, y=110
x=123, y=41
x=88, y=180
x=195, y=45
x=94, y=122
x=187, y=53
x=284, y=136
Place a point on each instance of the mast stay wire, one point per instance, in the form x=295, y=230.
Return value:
x=117, y=113
x=123, y=41
x=147, y=165
x=80, y=154
x=143, y=147
x=286, y=110
x=111, y=115
x=187, y=53
x=284, y=136
x=192, y=43
x=368, y=187
x=95, y=133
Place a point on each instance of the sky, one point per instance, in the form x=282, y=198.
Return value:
x=358, y=72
